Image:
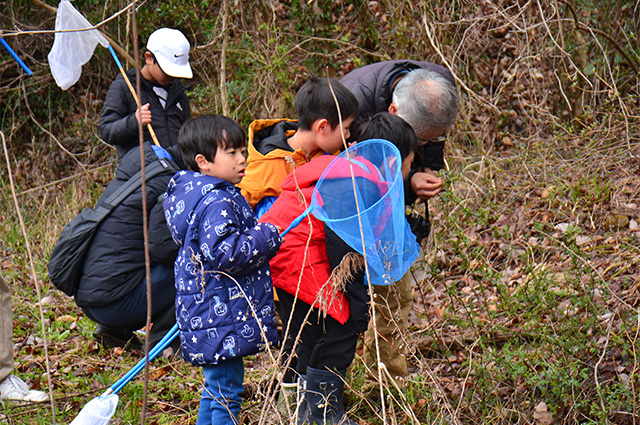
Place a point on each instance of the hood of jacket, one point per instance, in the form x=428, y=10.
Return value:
x=184, y=192
x=268, y=135
x=270, y=159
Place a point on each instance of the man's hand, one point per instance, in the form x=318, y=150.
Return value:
x=143, y=113
x=425, y=184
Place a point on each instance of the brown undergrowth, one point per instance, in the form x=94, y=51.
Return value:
x=526, y=300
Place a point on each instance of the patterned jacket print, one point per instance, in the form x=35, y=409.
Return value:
x=224, y=299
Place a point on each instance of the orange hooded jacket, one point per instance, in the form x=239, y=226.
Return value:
x=266, y=172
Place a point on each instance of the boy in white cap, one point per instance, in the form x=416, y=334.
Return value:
x=165, y=105
x=164, y=102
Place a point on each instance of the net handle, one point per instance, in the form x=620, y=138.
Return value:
x=297, y=221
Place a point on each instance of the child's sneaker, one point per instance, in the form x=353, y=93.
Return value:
x=14, y=388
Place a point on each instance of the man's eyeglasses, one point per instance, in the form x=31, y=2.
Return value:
x=439, y=139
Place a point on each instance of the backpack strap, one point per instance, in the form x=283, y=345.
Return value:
x=156, y=167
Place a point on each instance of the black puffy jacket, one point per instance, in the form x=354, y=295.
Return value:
x=115, y=262
x=118, y=125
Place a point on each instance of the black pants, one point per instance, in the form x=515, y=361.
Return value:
x=324, y=343
x=130, y=313
x=284, y=307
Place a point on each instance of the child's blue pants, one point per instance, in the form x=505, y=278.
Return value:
x=220, y=401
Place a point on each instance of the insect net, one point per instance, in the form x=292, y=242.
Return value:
x=72, y=49
x=360, y=196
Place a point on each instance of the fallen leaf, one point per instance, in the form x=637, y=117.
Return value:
x=597, y=298
x=49, y=299
x=546, y=192
x=624, y=379
x=66, y=318
x=542, y=415
x=617, y=221
x=581, y=240
x=538, y=75
x=420, y=404
x=156, y=374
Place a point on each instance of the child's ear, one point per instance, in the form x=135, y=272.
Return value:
x=148, y=58
x=321, y=126
x=202, y=162
x=393, y=108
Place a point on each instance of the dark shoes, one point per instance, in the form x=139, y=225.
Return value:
x=112, y=336
x=322, y=399
x=123, y=336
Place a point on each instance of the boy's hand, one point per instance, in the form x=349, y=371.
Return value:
x=426, y=185
x=279, y=229
x=143, y=114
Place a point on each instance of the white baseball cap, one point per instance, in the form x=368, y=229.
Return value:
x=171, y=49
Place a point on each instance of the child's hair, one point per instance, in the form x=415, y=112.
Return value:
x=315, y=101
x=392, y=128
x=205, y=134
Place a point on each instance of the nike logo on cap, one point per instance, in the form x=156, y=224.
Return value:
x=177, y=55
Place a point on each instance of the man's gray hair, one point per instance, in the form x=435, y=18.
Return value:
x=427, y=101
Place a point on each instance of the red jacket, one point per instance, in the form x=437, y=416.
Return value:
x=287, y=267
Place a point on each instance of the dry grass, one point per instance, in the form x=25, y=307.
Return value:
x=526, y=307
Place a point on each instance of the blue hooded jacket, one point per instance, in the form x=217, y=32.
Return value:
x=224, y=299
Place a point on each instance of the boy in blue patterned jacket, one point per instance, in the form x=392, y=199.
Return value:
x=224, y=300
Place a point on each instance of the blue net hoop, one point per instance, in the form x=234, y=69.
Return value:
x=360, y=196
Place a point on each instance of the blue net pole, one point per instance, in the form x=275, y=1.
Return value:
x=16, y=57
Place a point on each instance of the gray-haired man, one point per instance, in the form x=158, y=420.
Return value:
x=424, y=95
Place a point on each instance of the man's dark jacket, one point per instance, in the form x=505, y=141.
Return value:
x=118, y=125
x=115, y=262
x=371, y=84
